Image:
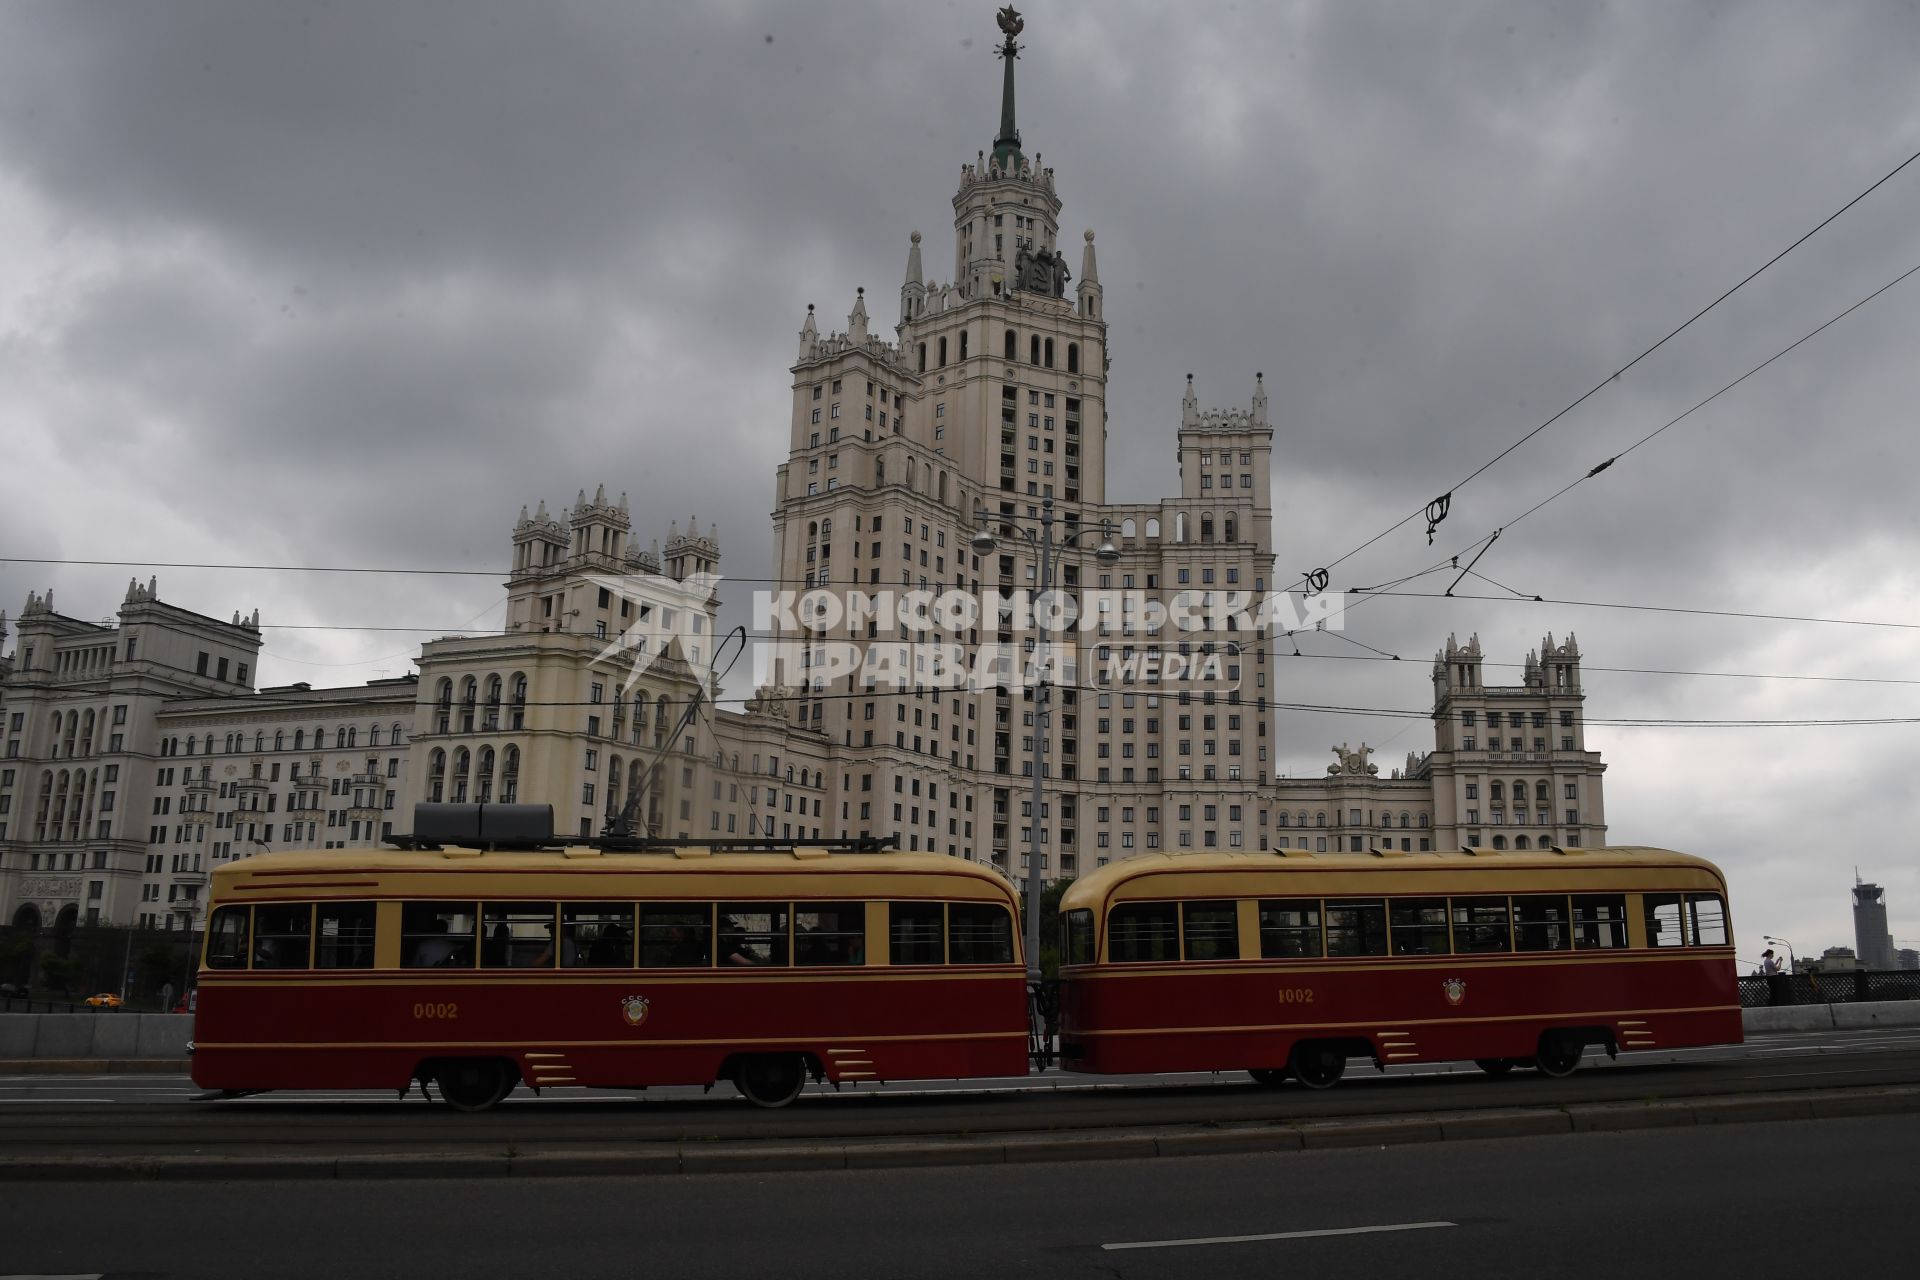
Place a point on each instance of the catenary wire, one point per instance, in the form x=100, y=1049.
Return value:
x=1598, y=386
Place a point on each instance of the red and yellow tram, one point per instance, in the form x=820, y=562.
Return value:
x=1290, y=963
x=477, y=970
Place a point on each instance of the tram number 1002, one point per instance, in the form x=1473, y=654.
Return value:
x=1296, y=995
x=440, y=1009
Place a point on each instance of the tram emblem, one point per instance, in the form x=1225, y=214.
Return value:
x=1456, y=990
x=634, y=1010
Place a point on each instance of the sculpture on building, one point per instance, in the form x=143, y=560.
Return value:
x=1041, y=272
x=1353, y=763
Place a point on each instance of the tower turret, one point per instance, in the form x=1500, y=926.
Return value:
x=857, y=318
x=809, y=336
x=913, y=294
x=1090, y=298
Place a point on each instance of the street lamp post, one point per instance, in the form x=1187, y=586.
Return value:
x=1041, y=537
x=1793, y=964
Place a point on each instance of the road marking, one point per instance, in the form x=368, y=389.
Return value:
x=26, y=1101
x=1796, y=1075
x=1279, y=1235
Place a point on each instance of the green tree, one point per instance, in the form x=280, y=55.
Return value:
x=16, y=955
x=157, y=963
x=62, y=973
x=1052, y=941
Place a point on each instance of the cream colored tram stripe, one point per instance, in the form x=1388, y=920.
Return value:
x=1279, y=1235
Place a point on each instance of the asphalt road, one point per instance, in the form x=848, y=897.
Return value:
x=135, y=1115
x=1808, y=1198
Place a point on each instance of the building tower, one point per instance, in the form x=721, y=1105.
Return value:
x=1871, y=941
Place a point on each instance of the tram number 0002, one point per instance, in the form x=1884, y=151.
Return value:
x=1296, y=995
x=436, y=1009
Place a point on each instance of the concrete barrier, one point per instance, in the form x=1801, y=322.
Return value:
x=18, y=1033
x=1877, y=1013
x=109, y=1034
x=1828, y=1017
x=66, y=1035
x=1788, y=1017
x=164, y=1035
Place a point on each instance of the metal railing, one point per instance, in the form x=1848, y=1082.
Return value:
x=1846, y=986
x=1043, y=1022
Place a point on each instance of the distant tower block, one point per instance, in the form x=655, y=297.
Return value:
x=1871, y=941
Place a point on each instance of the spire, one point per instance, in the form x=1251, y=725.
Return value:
x=1189, y=406
x=913, y=292
x=857, y=318
x=809, y=335
x=1006, y=147
x=1259, y=399
x=1089, y=281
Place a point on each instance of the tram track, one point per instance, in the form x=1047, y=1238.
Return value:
x=152, y=1116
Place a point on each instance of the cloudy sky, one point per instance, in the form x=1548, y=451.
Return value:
x=345, y=284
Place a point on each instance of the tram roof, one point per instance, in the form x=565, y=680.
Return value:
x=293, y=867
x=1097, y=885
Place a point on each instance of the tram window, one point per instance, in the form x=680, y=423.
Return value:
x=1419, y=926
x=1599, y=921
x=979, y=933
x=830, y=933
x=1540, y=922
x=1143, y=931
x=1210, y=930
x=343, y=936
x=596, y=935
x=1080, y=937
x=1289, y=930
x=227, y=939
x=436, y=935
x=676, y=935
x=916, y=933
x=1480, y=924
x=282, y=935
x=753, y=933
x=1662, y=912
x=519, y=935
x=1706, y=920
x=1357, y=928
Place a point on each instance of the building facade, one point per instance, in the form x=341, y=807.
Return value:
x=139, y=754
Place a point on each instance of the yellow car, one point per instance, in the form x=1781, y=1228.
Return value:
x=105, y=1000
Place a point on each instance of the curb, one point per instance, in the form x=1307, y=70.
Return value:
x=1369, y=1131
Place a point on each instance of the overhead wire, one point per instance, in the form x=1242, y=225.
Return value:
x=1445, y=499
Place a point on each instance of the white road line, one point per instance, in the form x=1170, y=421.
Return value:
x=1279, y=1235
x=16, y=1102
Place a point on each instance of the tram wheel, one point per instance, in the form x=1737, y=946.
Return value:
x=473, y=1084
x=1559, y=1054
x=1494, y=1066
x=1268, y=1075
x=770, y=1079
x=1317, y=1065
